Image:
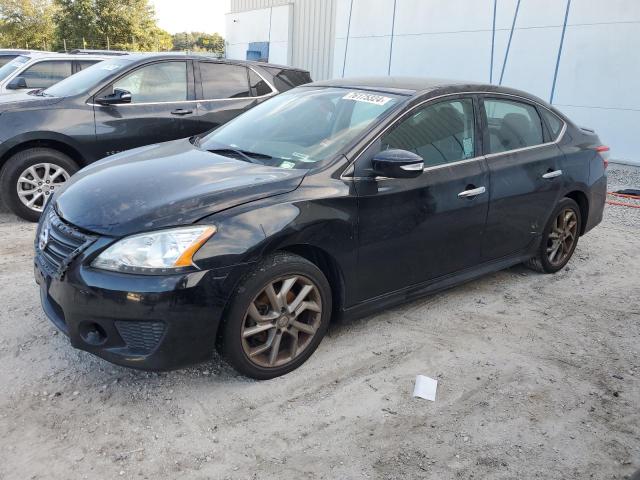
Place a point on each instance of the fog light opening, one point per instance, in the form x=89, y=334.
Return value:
x=92, y=333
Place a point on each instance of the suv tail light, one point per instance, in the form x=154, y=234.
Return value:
x=603, y=151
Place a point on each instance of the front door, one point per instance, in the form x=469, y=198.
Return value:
x=415, y=230
x=162, y=108
x=525, y=176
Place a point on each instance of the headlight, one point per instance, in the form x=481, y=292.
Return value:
x=163, y=251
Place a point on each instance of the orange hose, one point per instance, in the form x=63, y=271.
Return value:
x=622, y=204
x=624, y=195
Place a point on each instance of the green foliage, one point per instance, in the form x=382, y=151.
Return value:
x=114, y=24
x=27, y=23
x=95, y=24
x=199, y=42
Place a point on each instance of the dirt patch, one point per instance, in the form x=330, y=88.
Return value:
x=539, y=377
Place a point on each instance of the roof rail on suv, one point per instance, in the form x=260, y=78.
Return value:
x=81, y=51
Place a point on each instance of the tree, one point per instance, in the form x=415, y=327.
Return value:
x=199, y=41
x=211, y=43
x=27, y=23
x=114, y=24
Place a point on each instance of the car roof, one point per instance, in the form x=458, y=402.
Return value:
x=34, y=55
x=19, y=51
x=418, y=86
x=143, y=56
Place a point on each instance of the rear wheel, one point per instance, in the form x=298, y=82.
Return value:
x=559, y=239
x=278, y=317
x=30, y=177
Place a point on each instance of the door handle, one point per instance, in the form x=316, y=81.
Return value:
x=182, y=111
x=474, y=192
x=552, y=174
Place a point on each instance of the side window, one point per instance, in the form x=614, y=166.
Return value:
x=4, y=59
x=220, y=80
x=285, y=80
x=82, y=64
x=512, y=125
x=258, y=86
x=159, y=82
x=440, y=133
x=555, y=124
x=45, y=74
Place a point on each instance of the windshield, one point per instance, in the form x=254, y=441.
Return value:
x=86, y=79
x=300, y=128
x=12, y=66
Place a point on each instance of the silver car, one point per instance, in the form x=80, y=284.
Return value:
x=35, y=70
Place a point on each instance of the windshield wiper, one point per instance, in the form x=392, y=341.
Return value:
x=251, y=157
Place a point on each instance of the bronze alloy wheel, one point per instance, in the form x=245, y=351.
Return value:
x=563, y=236
x=281, y=321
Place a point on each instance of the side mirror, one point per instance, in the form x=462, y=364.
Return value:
x=17, y=83
x=119, y=96
x=398, y=164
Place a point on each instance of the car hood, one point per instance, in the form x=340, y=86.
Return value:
x=164, y=185
x=21, y=101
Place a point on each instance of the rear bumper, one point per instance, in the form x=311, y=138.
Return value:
x=597, y=198
x=144, y=322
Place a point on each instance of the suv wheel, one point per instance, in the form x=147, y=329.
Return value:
x=30, y=177
x=559, y=239
x=278, y=317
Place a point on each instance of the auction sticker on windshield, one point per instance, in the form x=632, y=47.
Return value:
x=367, y=97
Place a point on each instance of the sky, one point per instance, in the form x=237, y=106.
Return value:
x=191, y=15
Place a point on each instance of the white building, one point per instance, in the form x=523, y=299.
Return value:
x=581, y=55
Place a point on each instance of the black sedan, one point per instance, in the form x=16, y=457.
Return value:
x=119, y=104
x=333, y=199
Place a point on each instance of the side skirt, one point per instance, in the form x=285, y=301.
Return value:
x=414, y=292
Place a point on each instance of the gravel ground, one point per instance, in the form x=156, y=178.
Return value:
x=539, y=377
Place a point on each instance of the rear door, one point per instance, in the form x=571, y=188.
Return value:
x=162, y=108
x=415, y=230
x=225, y=91
x=524, y=167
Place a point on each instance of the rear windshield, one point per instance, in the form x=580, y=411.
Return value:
x=86, y=79
x=12, y=66
x=301, y=128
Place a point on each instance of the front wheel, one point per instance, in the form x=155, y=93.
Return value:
x=277, y=318
x=30, y=177
x=559, y=239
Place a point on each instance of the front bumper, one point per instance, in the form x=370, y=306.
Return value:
x=145, y=322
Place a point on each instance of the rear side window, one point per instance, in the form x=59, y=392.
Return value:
x=440, y=133
x=220, y=80
x=4, y=59
x=258, y=86
x=554, y=123
x=82, y=64
x=158, y=82
x=285, y=80
x=512, y=125
x=45, y=74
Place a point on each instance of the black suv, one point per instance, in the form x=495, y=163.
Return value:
x=119, y=104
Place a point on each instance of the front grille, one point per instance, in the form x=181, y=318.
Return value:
x=58, y=243
x=142, y=337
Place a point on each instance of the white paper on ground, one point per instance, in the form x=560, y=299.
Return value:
x=425, y=388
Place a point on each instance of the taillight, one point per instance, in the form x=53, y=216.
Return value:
x=603, y=151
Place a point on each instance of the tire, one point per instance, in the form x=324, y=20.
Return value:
x=248, y=352
x=544, y=260
x=60, y=168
